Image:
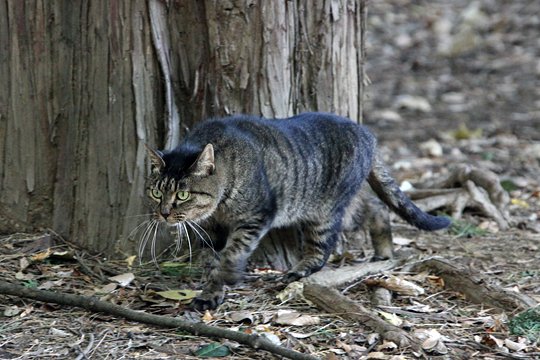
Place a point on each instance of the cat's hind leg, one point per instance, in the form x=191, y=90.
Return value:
x=377, y=223
x=369, y=213
x=319, y=241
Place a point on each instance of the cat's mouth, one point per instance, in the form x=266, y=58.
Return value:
x=171, y=219
x=174, y=218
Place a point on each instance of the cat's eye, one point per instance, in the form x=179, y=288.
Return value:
x=156, y=194
x=183, y=195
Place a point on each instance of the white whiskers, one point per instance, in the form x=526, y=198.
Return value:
x=149, y=230
x=153, y=245
x=204, y=237
x=179, y=241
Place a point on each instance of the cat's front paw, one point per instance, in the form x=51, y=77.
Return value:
x=376, y=258
x=208, y=301
x=291, y=276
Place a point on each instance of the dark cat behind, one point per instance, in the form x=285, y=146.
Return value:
x=241, y=176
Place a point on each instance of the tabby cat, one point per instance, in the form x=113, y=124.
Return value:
x=239, y=177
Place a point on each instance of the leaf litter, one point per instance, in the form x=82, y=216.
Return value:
x=467, y=101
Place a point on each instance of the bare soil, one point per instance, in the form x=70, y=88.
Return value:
x=452, y=82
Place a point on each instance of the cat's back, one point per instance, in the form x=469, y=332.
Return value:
x=238, y=129
x=303, y=159
x=309, y=129
x=324, y=128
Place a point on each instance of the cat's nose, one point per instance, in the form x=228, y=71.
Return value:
x=165, y=213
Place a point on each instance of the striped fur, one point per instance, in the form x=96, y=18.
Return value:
x=246, y=175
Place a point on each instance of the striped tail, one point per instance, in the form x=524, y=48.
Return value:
x=388, y=191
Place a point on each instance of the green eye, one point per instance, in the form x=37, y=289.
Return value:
x=156, y=193
x=183, y=195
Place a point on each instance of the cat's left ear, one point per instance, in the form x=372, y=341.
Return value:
x=204, y=165
x=156, y=159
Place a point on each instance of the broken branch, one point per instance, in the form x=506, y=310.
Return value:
x=330, y=300
x=197, y=329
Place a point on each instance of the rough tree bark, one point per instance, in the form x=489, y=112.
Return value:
x=81, y=94
x=87, y=83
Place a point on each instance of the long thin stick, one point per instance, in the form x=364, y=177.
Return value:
x=198, y=329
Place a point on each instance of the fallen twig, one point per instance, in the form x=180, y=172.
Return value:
x=198, y=329
x=332, y=301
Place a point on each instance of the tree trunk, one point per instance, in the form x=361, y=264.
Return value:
x=87, y=83
x=81, y=95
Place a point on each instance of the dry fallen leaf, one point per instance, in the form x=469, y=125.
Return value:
x=490, y=226
x=63, y=254
x=464, y=133
x=432, y=148
x=491, y=341
x=130, y=260
x=41, y=255
x=123, y=279
x=420, y=308
x=106, y=289
x=241, y=317
x=515, y=346
x=12, y=311
x=292, y=291
x=436, y=281
x=301, y=335
x=267, y=271
x=398, y=240
x=520, y=203
x=27, y=311
x=411, y=102
x=24, y=277
x=331, y=356
x=59, y=333
x=47, y=285
x=343, y=346
x=378, y=355
x=391, y=318
x=396, y=284
x=372, y=338
x=184, y=295
x=207, y=317
x=23, y=263
x=387, y=345
x=274, y=339
x=65, y=274
x=432, y=341
x=291, y=317
x=338, y=351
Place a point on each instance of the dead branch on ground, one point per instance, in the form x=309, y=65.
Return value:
x=197, y=329
x=330, y=300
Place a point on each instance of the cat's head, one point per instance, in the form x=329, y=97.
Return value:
x=183, y=185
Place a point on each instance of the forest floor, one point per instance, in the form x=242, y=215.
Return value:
x=452, y=82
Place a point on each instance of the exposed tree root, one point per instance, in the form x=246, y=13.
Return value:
x=476, y=288
x=456, y=277
x=466, y=187
x=348, y=274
